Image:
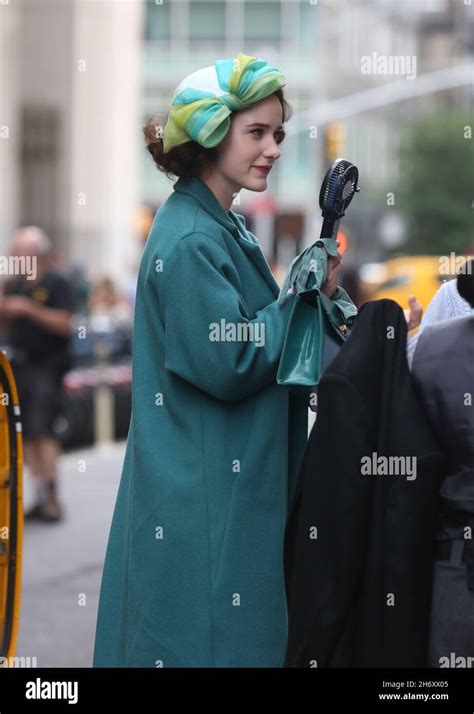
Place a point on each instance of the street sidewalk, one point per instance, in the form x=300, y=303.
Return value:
x=62, y=562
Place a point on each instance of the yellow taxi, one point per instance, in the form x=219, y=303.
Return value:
x=398, y=278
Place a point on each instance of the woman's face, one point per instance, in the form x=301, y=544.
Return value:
x=251, y=141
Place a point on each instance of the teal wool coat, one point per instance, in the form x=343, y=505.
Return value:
x=193, y=574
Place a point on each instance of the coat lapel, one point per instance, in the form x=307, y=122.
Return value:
x=233, y=222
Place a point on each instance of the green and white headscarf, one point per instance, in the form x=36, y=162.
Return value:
x=203, y=101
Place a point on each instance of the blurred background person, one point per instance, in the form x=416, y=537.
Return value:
x=106, y=300
x=36, y=314
x=110, y=315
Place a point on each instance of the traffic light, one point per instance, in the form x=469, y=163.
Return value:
x=341, y=237
x=334, y=141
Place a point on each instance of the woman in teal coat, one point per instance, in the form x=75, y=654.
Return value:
x=193, y=575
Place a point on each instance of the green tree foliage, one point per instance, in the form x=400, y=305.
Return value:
x=436, y=185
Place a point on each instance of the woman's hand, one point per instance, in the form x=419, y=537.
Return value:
x=414, y=313
x=335, y=266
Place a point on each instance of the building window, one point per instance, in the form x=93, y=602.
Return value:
x=157, y=21
x=262, y=21
x=308, y=17
x=206, y=22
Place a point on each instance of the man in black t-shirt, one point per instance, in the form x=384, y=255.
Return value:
x=36, y=310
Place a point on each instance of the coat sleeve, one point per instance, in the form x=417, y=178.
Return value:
x=199, y=288
x=326, y=534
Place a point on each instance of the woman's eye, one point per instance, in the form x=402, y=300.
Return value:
x=279, y=135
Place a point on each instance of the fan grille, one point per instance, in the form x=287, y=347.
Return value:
x=339, y=187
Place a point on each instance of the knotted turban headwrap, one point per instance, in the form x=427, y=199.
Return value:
x=204, y=100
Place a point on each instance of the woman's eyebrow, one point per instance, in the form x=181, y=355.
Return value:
x=267, y=126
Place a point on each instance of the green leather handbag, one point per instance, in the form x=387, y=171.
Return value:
x=315, y=333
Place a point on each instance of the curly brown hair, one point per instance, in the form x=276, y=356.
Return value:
x=189, y=159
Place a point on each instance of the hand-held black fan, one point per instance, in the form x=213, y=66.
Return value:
x=337, y=190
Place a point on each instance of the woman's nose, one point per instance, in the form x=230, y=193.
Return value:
x=273, y=151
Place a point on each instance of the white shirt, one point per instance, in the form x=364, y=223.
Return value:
x=445, y=305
